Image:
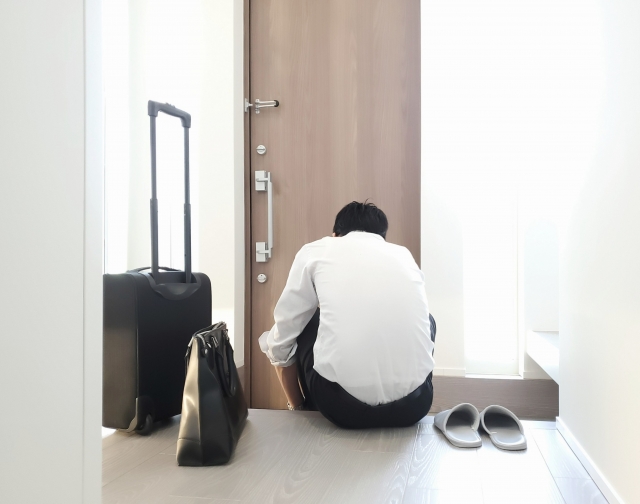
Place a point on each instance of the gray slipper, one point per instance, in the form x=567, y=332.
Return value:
x=504, y=428
x=460, y=425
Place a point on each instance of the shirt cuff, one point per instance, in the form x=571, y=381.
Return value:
x=264, y=346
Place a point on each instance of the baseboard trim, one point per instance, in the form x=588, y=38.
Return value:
x=598, y=478
x=529, y=399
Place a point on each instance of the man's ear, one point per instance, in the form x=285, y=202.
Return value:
x=334, y=235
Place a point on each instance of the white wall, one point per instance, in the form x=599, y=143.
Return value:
x=539, y=269
x=600, y=275
x=509, y=97
x=441, y=260
x=93, y=251
x=221, y=210
x=191, y=54
x=51, y=303
x=238, y=182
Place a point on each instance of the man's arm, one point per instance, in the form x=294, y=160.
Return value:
x=288, y=377
x=294, y=309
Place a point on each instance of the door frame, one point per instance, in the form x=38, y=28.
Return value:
x=247, y=204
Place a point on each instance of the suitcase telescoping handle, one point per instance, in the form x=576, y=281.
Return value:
x=153, y=108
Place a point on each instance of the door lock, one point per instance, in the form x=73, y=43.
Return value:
x=260, y=104
x=261, y=149
x=262, y=278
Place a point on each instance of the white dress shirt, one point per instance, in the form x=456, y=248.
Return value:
x=374, y=337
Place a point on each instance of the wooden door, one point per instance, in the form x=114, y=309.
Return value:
x=347, y=76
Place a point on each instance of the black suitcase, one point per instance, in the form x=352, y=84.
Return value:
x=149, y=318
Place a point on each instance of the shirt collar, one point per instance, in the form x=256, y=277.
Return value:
x=363, y=235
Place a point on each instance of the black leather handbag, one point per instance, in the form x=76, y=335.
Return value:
x=214, y=410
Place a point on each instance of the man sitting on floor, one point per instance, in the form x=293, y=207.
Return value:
x=352, y=327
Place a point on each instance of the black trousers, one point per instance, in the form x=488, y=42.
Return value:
x=344, y=410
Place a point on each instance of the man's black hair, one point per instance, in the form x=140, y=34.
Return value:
x=361, y=217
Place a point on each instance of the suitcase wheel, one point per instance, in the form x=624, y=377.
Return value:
x=146, y=428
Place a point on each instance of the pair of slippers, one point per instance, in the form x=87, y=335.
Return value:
x=460, y=426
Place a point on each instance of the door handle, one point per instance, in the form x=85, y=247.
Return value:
x=260, y=104
x=263, y=183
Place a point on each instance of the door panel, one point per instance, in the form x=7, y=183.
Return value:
x=347, y=76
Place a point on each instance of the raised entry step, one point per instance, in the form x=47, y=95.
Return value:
x=544, y=348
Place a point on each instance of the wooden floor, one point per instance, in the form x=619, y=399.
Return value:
x=299, y=457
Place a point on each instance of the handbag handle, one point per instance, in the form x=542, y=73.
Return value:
x=228, y=380
x=222, y=354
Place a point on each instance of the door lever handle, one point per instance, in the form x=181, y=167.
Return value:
x=260, y=104
x=263, y=183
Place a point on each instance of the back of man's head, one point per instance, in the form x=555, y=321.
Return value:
x=361, y=217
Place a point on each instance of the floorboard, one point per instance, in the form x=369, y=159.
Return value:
x=580, y=491
x=370, y=477
x=121, y=452
x=561, y=461
x=300, y=457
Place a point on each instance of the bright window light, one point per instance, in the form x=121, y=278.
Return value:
x=116, y=92
x=511, y=93
x=490, y=232
x=167, y=37
x=173, y=73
